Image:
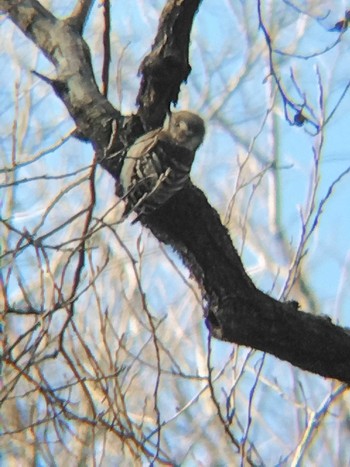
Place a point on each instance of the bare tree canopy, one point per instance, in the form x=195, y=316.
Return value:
x=74, y=254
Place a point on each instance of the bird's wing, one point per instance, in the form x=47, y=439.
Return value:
x=143, y=145
x=140, y=148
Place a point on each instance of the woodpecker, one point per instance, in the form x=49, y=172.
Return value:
x=158, y=164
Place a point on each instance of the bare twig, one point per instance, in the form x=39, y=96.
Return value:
x=314, y=422
x=106, y=46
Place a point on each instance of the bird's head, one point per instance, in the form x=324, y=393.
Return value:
x=186, y=128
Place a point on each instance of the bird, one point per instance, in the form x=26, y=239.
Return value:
x=158, y=164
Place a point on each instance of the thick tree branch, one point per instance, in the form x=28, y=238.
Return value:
x=75, y=84
x=235, y=310
x=167, y=66
x=80, y=14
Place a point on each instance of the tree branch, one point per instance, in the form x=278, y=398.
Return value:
x=75, y=85
x=236, y=311
x=166, y=67
x=80, y=14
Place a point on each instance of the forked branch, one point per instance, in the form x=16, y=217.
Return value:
x=236, y=311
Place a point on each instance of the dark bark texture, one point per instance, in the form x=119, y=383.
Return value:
x=235, y=310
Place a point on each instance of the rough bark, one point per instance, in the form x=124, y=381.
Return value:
x=236, y=311
x=167, y=65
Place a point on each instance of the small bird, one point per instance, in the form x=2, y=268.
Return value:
x=158, y=164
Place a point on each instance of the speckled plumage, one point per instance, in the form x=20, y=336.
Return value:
x=158, y=164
